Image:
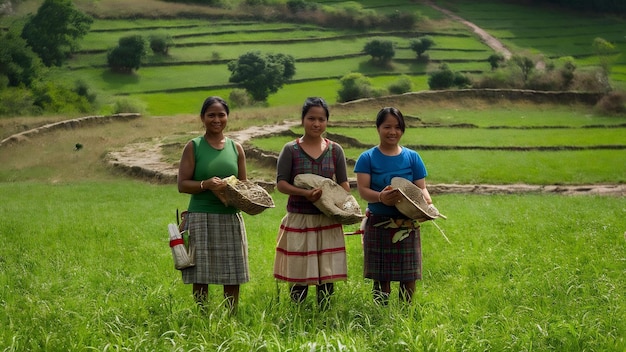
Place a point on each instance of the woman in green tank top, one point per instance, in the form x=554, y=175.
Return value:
x=216, y=232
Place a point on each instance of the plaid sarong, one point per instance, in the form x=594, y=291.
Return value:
x=221, y=249
x=385, y=260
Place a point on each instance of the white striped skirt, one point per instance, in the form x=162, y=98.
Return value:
x=311, y=250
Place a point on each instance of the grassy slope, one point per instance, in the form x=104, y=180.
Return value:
x=86, y=263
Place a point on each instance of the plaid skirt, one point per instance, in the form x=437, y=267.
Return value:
x=311, y=250
x=388, y=261
x=221, y=249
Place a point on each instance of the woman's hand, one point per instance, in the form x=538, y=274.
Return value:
x=314, y=195
x=213, y=184
x=217, y=186
x=389, y=196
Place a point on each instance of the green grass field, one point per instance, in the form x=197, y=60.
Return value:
x=87, y=267
x=86, y=263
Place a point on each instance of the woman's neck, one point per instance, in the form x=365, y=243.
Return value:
x=390, y=149
x=311, y=140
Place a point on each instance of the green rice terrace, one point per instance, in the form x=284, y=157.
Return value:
x=532, y=183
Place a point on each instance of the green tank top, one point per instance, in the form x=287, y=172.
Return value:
x=211, y=162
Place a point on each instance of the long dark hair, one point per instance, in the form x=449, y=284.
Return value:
x=393, y=112
x=212, y=100
x=314, y=101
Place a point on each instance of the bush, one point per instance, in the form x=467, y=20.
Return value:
x=354, y=86
x=160, y=43
x=591, y=81
x=402, y=85
x=613, y=103
x=17, y=102
x=441, y=79
x=125, y=105
x=239, y=98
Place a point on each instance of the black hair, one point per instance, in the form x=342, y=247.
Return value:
x=212, y=100
x=380, y=118
x=314, y=101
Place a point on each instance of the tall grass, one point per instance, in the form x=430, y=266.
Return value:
x=87, y=266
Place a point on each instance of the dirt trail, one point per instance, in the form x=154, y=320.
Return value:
x=491, y=41
x=143, y=160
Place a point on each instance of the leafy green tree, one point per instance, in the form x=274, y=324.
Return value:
x=128, y=54
x=603, y=49
x=18, y=63
x=380, y=49
x=261, y=74
x=354, y=86
x=54, y=31
x=495, y=60
x=421, y=44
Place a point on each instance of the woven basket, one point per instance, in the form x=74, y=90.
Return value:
x=246, y=196
x=335, y=202
x=413, y=204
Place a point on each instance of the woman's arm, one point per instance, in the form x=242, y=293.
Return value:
x=241, y=162
x=421, y=183
x=186, y=183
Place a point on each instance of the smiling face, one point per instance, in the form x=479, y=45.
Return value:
x=390, y=131
x=315, y=121
x=215, y=118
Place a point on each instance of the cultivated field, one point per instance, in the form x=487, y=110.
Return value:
x=86, y=263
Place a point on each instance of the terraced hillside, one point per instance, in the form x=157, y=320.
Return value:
x=202, y=46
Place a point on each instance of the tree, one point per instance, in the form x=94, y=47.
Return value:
x=128, y=54
x=380, y=49
x=495, y=60
x=53, y=32
x=18, y=63
x=421, y=44
x=261, y=74
x=603, y=49
x=525, y=64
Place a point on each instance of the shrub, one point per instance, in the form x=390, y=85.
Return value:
x=160, y=43
x=354, y=86
x=591, y=81
x=443, y=78
x=612, y=103
x=55, y=98
x=401, y=85
x=17, y=102
x=239, y=98
x=126, y=105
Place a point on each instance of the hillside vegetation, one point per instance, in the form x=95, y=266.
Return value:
x=205, y=39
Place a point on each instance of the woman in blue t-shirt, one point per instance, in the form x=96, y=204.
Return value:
x=384, y=260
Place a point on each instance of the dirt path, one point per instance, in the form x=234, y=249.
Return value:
x=491, y=41
x=144, y=160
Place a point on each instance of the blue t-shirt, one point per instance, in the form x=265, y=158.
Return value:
x=382, y=168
